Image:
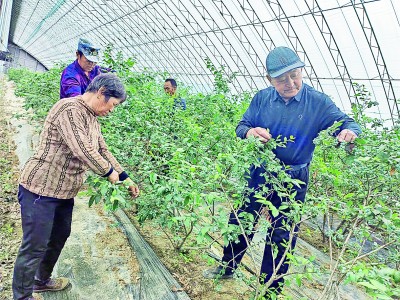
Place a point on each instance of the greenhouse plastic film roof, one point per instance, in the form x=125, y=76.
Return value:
x=341, y=42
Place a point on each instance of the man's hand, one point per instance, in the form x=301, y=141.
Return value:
x=346, y=135
x=113, y=177
x=259, y=132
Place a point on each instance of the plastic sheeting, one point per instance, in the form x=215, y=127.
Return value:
x=342, y=42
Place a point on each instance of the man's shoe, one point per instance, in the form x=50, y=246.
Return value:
x=51, y=285
x=217, y=273
x=279, y=297
x=35, y=297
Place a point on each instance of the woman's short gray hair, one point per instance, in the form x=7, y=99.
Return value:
x=111, y=84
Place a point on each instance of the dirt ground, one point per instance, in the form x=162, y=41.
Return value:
x=187, y=268
x=10, y=223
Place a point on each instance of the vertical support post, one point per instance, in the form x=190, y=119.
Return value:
x=5, y=22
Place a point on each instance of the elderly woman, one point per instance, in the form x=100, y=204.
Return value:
x=71, y=143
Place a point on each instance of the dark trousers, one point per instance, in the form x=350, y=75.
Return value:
x=46, y=225
x=277, y=235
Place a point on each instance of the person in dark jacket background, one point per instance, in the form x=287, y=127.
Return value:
x=170, y=87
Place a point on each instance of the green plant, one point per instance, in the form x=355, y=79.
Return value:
x=7, y=228
x=41, y=90
x=190, y=168
x=113, y=196
x=221, y=77
x=354, y=191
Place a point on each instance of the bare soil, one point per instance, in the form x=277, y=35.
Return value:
x=187, y=267
x=10, y=222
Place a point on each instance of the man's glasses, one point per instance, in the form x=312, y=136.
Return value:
x=292, y=75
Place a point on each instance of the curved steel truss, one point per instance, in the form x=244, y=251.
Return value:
x=341, y=41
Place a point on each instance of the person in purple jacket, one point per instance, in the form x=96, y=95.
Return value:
x=289, y=107
x=76, y=77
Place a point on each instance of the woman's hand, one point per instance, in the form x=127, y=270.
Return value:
x=113, y=177
x=133, y=188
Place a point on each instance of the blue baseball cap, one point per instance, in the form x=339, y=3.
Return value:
x=90, y=51
x=281, y=60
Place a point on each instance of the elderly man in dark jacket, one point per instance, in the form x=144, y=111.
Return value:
x=287, y=108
